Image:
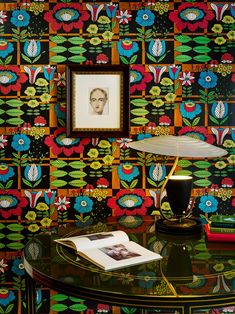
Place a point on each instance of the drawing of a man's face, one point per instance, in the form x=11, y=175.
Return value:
x=98, y=99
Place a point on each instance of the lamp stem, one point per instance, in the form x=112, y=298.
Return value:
x=164, y=185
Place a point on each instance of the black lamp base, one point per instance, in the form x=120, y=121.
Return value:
x=187, y=226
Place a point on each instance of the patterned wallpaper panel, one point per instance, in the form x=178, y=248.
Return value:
x=181, y=59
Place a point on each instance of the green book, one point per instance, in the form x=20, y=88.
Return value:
x=221, y=230
x=222, y=221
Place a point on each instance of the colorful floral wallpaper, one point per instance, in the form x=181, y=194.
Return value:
x=181, y=58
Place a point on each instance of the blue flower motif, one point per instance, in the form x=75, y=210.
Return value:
x=20, y=142
x=189, y=109
x=39, y=296
x=83, y=204
x=20, y=18
x=219, y=109
x=6, y=296
x=111, y=9
x=208, y=79
x=157, y=47
x=142, y=136
x=127, y=172
x=145, y=17
x=33, y=172
x=208, y=204
x=32, y=48
x=5, y=48
x=157, y=172
x=6, y=172
x=126, y=47
x=147, y=281
x=18, y=267
x=60, y=110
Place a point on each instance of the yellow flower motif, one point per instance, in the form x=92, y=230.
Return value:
x=46, y=222
x=107, y=35
x=166, y=81
x=33, y=228
x=30, y=91
x=229, y=144
x=95, y=41
x=162, y=130
x=170, y=97
x=231, y=159
x=155, y=91
x=218, y=267
x=161, y=8
x=104, y=144
x=92, y=29
x=33, y=103
x=227, y=19
x=220, y=40
x=224, y=69
x=217, y=28
x=225, y=194
x=36, y=8
x=96, y=165
x=31, y=215
x=158, y=103
x=45, y=97
x=42, y=206
x=37, y=132
x=108, y=160
x=231, y=35
x=93, y=153
x=220, y=165
x=104, y=20
x=100, y=194
x=41, y=82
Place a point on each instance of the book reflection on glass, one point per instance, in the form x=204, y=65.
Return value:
x=109, y=250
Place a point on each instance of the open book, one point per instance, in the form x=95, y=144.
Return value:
x=109, y=250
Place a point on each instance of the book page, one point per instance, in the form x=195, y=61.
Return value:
x=119, y=255
x=94, y=240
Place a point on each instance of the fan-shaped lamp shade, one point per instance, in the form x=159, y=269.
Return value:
x=180, y=146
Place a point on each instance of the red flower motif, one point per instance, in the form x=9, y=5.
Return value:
x=198, y=132
x=11, y=79
x=139, y=78
x=191, y=15
x=227, y=182
x=129, y=202
x=67, y=17
x=39, y=121
x=164, y=120
x=60, y=143
x=11, y=203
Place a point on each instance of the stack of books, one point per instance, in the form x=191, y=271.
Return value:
x=221, y=228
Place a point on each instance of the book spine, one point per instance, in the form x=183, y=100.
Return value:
x=222, y=225
x=222, y=230
x=220, y=237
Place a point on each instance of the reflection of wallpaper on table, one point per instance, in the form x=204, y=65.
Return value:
x=182, y=82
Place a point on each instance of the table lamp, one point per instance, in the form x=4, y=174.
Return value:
x=178, y=188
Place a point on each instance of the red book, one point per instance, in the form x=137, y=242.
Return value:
x=219, y=237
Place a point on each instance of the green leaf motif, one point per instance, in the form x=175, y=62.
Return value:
x=202, y=164
x=2, y=121
x=151, y=58
x=140, y=121
x=183, y=58
x=139, y=102
x=133, y=183
x=59, y=307
x=15, y=246
x=139, y=112
x=77, y=164
x=15, y=236
x=153, y=183
x=58, y=173
x=183, y=38
x=202, y=49
x=2, y=235
x=59, y=297
x=15, y=121
x=14, y=112
x=58, y=183
x=183, y=48
x=184, y=163
x=78, y=307
x=202, y=182
x=15, y=227
x=77, y=183
x=1, y=226
x=77, y=174
x=59, y=163
x=2, y=111
x=202, y=58
x=58, y=39
x=77, y=59
x=73, y=299
x=76, y=40
x=124, y=184
x=58, y=49
x=58, y=59
x=2, y=246
x=201, y=40
x=77, y=50
x=202, y=173
x=183, y=172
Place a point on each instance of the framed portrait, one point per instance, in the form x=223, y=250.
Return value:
x=98, y=100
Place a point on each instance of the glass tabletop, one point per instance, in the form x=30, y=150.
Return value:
x=191, y=267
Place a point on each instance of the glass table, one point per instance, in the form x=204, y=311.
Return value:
x=193, y=273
